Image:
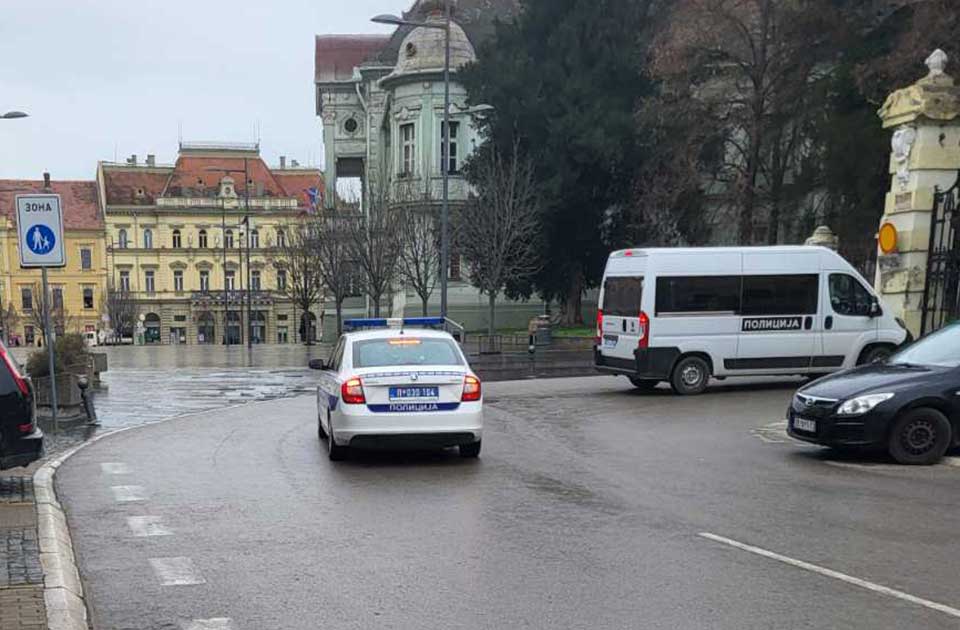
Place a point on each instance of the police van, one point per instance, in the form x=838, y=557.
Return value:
x=686, y=315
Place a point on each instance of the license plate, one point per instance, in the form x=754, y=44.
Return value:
x=610, y=341
x=803, y=424
x=414, y=393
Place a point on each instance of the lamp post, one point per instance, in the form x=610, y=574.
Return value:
x=393, y=20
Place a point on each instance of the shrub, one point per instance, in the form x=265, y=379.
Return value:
x=71, y=350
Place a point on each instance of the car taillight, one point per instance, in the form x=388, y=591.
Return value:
x=644, y=330
x=25, y=428
x=15, y=373
x=351, y=393
x=599, y=337
x=472, y=390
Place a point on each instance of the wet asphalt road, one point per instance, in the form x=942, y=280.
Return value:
x=584, y=511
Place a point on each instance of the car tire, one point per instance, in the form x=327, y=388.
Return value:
x=335, y=452
x=920, y=437
x=644, y=385
x=320, y=432
x=470, y=451
x=690, y=376
x=876, y=354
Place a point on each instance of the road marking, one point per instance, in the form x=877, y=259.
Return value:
x=143, y=526
x=843, y=577
x=176, y=571
x=218, y=623
x=128, y=494
x=115, y=468
x=952, y=461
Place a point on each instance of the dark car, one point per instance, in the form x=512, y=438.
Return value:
x=21, y=440
x=908, y=405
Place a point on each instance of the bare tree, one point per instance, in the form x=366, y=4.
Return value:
x=334, y=234
x=60, y=318
x=9, y=318
x=498, y=230
x=121, y=307
x=419, y=252
x=375, y=245
x=298, y=257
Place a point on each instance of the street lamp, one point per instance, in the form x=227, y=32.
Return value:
x=393, y=20
x=12, y=115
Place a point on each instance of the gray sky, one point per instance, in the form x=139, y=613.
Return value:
x=105, y=78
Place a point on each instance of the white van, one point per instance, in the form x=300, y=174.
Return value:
x=684, y=315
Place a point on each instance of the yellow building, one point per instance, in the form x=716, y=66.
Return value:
x=177, y=242
x=77, y=290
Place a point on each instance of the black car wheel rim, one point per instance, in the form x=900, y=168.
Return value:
x=919, y=437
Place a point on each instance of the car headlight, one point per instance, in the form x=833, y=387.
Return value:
x=862, y=404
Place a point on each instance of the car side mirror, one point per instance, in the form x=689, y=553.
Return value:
x=318, y=364
x=875, y=310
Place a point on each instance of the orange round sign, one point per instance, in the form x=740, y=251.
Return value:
x=888, y=238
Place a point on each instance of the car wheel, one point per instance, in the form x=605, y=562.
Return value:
x=876, y=354
x=920, y=437
x=644, y=385
x=690, y=376
x=470, y=451
x=335, y=452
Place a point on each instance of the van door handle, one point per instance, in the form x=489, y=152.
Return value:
x=828, y=323
x=808, y=323
x=624, y=323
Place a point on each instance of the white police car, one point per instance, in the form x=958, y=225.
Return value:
x=397, y=383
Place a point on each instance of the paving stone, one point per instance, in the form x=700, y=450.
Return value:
x=20, y=558
x=22, y=609
x=16, y=489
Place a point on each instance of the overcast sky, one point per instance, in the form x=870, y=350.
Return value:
x=108, y=78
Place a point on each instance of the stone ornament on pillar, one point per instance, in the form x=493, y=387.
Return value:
x=902, y=144
x=823, y=236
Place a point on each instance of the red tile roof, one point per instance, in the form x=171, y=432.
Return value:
x=81, y=210
x=296, y=183
x=123, y=183
x=191, y=174
x=337, y=55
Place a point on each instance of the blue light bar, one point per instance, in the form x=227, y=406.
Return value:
x=411, y=322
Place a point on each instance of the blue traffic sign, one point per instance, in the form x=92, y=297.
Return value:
x=40, y=239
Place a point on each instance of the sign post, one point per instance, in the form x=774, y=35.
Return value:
x=40, y=231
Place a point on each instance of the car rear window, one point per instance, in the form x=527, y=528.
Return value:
x=405, y=351
x=622, y=297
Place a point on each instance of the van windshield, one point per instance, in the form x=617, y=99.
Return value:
x=622, y=297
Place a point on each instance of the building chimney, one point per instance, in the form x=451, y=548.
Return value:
x=294, y=163
x=283, y=162
x=46, y=181
x=151, y=159
x=132, y=160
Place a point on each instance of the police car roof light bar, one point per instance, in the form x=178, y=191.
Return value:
x=411, y=322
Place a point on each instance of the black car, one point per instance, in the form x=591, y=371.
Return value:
x=21, y=440
x=908, y=404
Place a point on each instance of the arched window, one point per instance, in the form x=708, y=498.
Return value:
x=228, y=239
x=254, y=239
x=281, y=239
x=148, y=239
x=202, y=238
x=177, y=240
x=122, y=241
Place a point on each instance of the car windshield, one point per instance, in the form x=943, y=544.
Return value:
x=941, y=349
x=405, y=351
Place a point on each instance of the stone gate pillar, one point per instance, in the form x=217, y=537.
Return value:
x=925, y=119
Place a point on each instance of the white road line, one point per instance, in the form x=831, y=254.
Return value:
x=115, y=468
x=128, y=494
x=176, y=571
x=218, y=623
x=843, y=577
x=143, y=526
x=952, y=461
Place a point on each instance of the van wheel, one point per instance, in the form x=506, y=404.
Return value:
x=690, y=376
x=876, y=354
x=644, y=385
x=920, y=437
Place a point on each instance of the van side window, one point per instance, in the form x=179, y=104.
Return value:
x=704, y=294
x=781, y=295
x=848, y=296
x=622, y=297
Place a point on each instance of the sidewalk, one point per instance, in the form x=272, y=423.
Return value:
x=21, y=576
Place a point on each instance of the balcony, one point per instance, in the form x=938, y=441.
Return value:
x=213, y=298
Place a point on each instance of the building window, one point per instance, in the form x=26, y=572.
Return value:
x=254, y=239
x=86, y=259
x=255, y=280
x=177, y=240
x=228, y=239
x=122, y=241
x=26, y=299
x=178, y=281
x=202, y=239
x=456, y=269
x=408, y=150
x=88, y=297
x=231, y=280
x=283, y=336
x=28, y=335
x=124, y=280
x=148, y=239
x=149, y=281
x=57, y=295
x=454, y=132
x=281, y=279
x=204, y=281
x=281, y=239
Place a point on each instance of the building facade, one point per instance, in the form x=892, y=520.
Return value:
x=76, y=291
x=178, y=240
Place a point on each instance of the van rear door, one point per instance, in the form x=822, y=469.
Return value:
x=619, y=325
